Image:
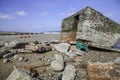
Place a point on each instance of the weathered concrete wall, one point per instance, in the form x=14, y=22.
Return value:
x=67, y=24
x=93, y=26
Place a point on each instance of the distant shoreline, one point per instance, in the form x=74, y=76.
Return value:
x=27, y=33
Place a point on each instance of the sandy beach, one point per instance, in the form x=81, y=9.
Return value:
x=33, y=37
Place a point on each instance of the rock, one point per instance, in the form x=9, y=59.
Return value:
x=6, y=44
x=102, y=71
x=13, y=51
x=54, y=41
x=11, y=44
x=20, y=59
x=8, y=55
x=62, y=47
x=1, y=43
x=69, y=73
x=76, y=51
x=38, y=48
x=32, y=47
x=4, y=51
x=21, y=45
x=1, y=54
x=23, y=51
x=16, y=57
x=58, y=63
x=5, y=60
x=31, y=43
x=19, y=74
x=44, y=48
x=73, y=51
x=117, y=61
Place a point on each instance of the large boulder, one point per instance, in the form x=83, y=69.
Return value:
x=62, y=47
x=19, y=74
x=69, y=73
x=58, y=63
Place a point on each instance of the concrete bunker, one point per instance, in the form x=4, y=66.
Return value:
x=70, y=34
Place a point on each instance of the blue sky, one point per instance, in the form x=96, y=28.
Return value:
x=47, y=15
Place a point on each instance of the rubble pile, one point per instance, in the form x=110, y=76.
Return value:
x=63, y=63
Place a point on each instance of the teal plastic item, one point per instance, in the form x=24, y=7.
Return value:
x=82, y=46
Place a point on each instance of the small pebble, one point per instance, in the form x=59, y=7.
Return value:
x=5, y=60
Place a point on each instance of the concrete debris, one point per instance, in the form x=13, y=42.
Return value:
x=19, y=74
x=102, y=71
x=58, y=63
x=69, y=73
x=62, y=47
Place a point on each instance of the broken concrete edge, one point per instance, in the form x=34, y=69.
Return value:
x=100, y=70
x=102, y=48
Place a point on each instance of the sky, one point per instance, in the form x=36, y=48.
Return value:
x=47, y=15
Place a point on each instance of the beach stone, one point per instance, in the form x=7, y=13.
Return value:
x=20, y=59
x=32, y=47
x=4, y=51
x=31, y=43
x=58, y=63
x=21, y=45
x=62, y=47
x=8, y=55
x=13, y=51
x=23, y=51
x=1, y=54
x=5, y=60
x=38, y=48
x=44, y=48
x=11, y=44
x=69, y=73
x=1, y=43
x=16, y=57
x=19, y=74
x=117, y=60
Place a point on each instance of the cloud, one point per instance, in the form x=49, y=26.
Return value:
x=69, y=12
x=5, y=16
x=45, y=13
x=21, y=13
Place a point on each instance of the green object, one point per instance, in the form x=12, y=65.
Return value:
x=82, y=46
